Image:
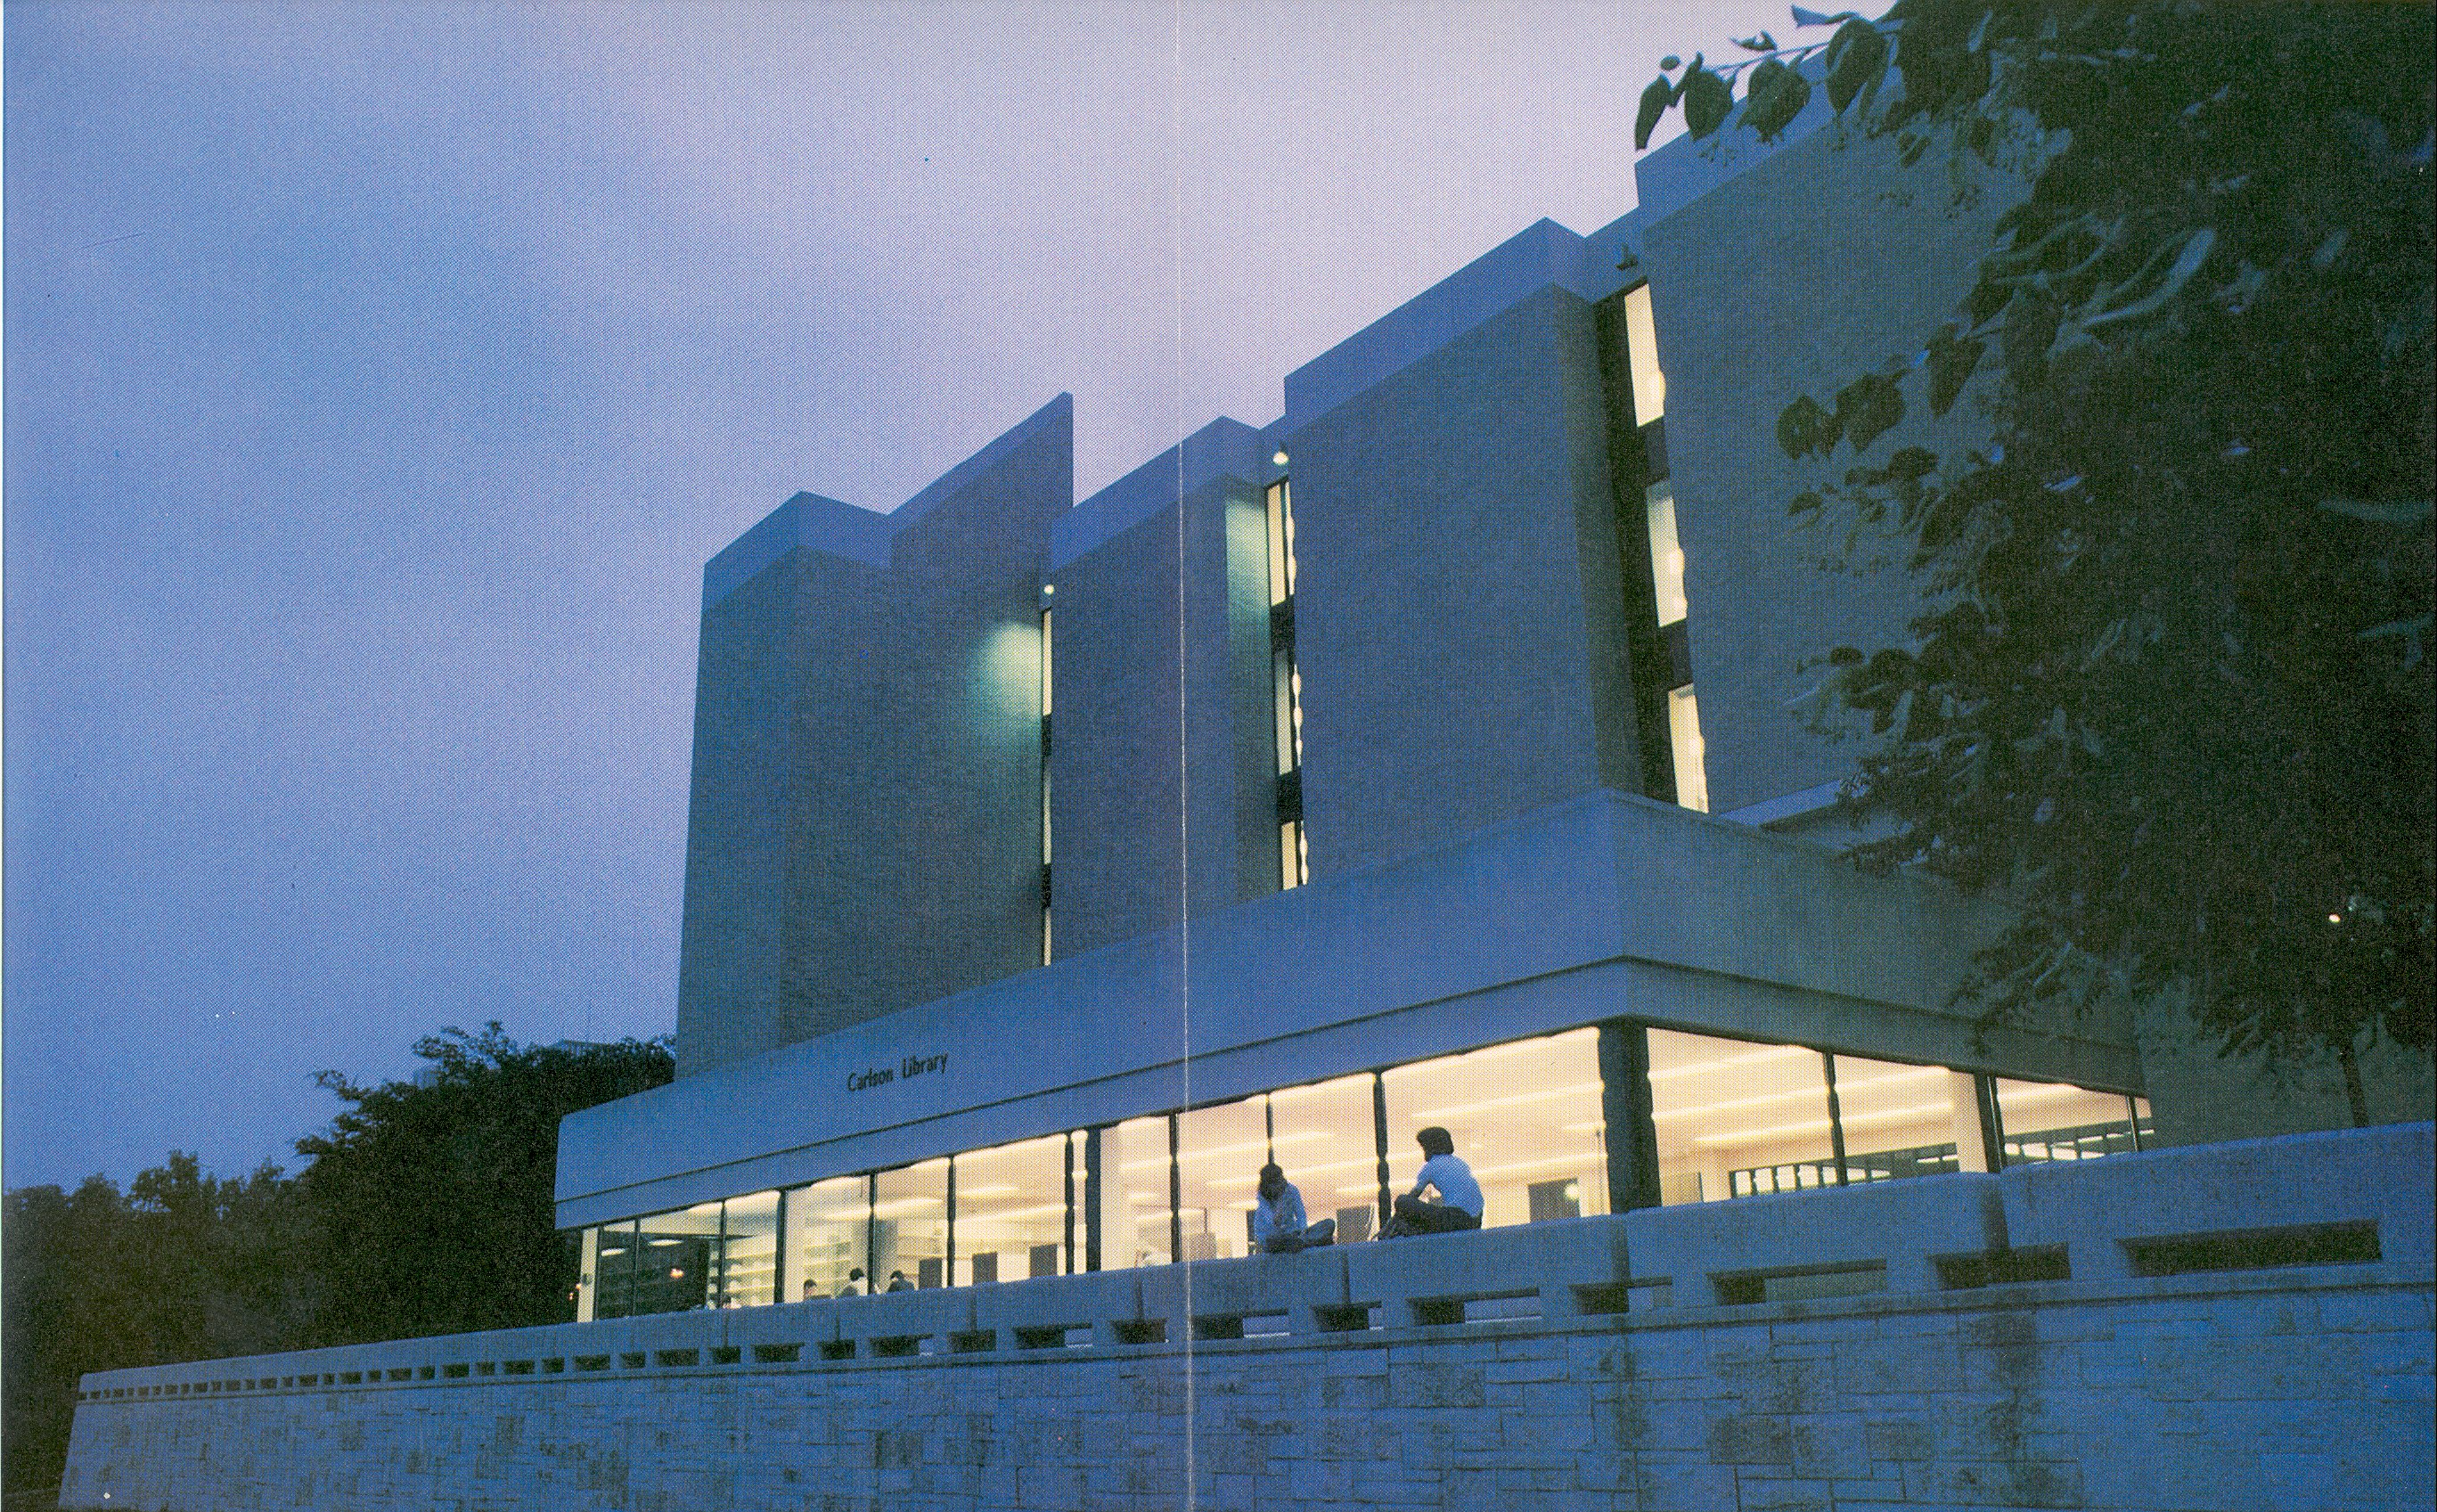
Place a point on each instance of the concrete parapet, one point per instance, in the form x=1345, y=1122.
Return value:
x=2330, y=1199
x=1884, y=1235
x=1217, y=1297
x=1043, y=1312
x=904, y=1322
x=2297, y=1195
x=1570, y=1267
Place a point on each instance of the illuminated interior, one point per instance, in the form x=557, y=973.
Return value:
x=1729, y=1118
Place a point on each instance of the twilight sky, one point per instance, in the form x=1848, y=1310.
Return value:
x=379, y=378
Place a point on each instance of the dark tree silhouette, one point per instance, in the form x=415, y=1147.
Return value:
x=2169, y=695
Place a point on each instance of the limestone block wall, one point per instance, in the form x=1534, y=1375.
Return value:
x=2230, y=1329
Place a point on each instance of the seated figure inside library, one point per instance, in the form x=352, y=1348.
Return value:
x=1456, y=1204
x=1278, y=1226
x=1732, y=1119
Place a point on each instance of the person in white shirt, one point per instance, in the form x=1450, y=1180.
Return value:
x=1459, y=1201
x=1278, y=1226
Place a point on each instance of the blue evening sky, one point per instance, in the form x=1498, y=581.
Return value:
x=378, y=377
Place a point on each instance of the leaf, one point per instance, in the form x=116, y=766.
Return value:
x=1797, y=426
x=1951, y=361
x=1763, y=43
x=1687, y=77
x=1988, y=300
x=2196, y=250
x=1868, y=408
x=1774, y=97
x=1911, y=465
x=1655, y=101
x=2400, y=512
x=1857, y=55
x=1670, y=63
x=2030, y=328
x=1707, y=100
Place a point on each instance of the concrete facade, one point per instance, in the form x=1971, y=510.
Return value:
x=1604, y=906
x=1485, y=752
x=1163, y=763
x=1808, y=1354
x=1814, y=268
x=869, y=703
x=1459, y=613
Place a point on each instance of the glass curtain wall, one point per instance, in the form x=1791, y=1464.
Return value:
x=1732, y=1119
x=1905, y=1120
x=828, y=1235
x=1524, y=1115
x=2051, y=1121
x=1012, y=1211
x=676, y=1258
x=1322, y=1135
x=613, y=1270
x=1735, y=1119
x=1134, y=1186
x=1220, y=1154
x=748, y=1262
x=909, y=1226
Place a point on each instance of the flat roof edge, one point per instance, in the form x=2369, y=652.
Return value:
x=1540, y=255
x=1222, y=448
x=806, y=519
x=1059, y=411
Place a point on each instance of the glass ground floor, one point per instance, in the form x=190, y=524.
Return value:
x=1596, y=1119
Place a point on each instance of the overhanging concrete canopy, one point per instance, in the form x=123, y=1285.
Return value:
x=1607, y=906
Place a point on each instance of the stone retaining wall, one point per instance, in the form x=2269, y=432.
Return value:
x=2172, y=1366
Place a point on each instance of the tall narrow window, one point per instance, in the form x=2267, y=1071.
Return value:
x=1137, y=1223
x=1282, y=562
x=1658, y=624
x=909, y=1225
x=588, y=1283
x=1220, y=1154
x=828, y=1235
x=1286, y=690
x=1046, y=702
x=1665, y=553
x=1684, y=732
x=1641, y=348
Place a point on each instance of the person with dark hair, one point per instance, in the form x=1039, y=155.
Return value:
x=1457, y=1206
x=854, y=1286
x=896, y=1283
x=1278, y=1227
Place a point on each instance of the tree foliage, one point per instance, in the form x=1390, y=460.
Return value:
x=438, y=1190
x=181, y=1266
x=2170, y=693
x=426, y=1208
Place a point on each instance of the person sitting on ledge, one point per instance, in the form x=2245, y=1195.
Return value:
x=854, y=1286
x=1458, y=1204
x=1277, y=1218
x=896, y=1283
